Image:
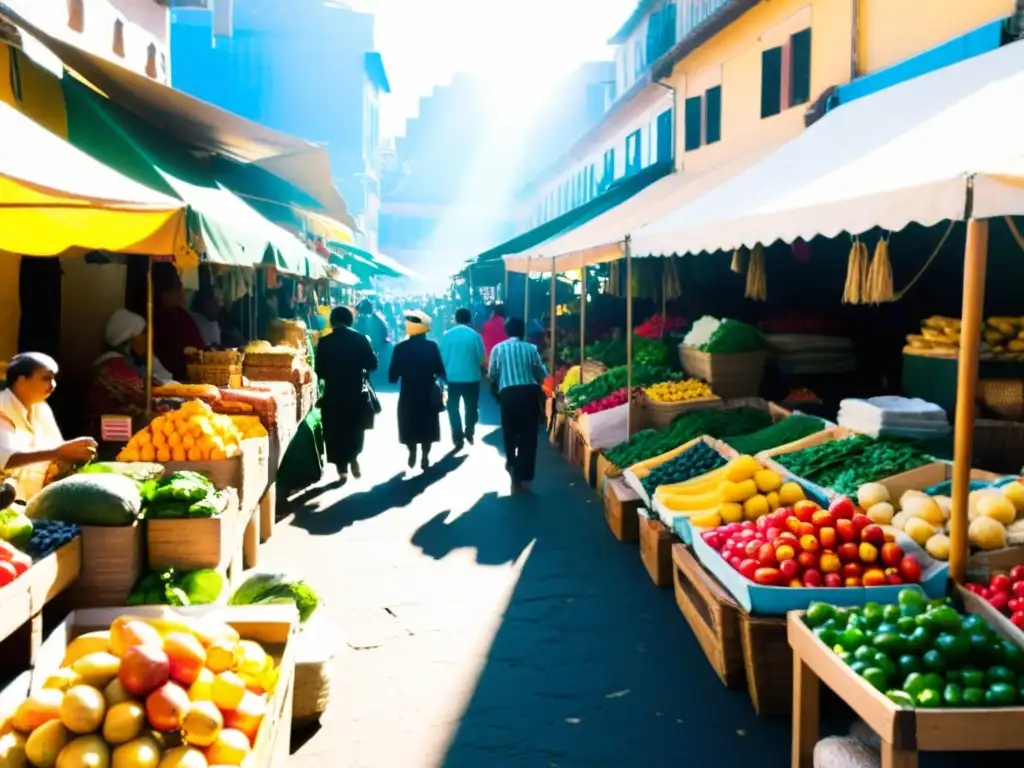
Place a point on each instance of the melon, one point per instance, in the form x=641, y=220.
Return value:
x=103, y=499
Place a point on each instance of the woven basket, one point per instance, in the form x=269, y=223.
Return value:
x=269, y=373
x=730, y=375
x=1003, y=398
x=658, y=415
x=314, y=664
x=271, y=359
x=217, y=375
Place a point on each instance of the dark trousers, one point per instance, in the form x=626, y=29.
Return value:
x=520, y=419
x=468, y=393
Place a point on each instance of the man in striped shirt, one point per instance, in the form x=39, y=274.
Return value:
x=517, y=371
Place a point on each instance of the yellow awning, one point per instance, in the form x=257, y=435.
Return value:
x=54, y=197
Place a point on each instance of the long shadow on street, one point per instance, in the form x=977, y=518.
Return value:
x=592, y=666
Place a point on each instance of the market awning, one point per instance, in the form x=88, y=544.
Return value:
x=202, y=125
x=600, y=239
x=910, y=153
x=620, y=191
x=54, y=197
x=369, y=263
x=232, y=232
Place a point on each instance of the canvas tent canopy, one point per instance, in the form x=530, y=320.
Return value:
x=944, y=146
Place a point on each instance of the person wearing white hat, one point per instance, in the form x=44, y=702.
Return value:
x=416, y=362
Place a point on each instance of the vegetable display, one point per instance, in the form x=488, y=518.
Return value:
x=177, y=588
x=172, y=691
x=922, y=653
x=846, y=464
x=191, y=433
x=741, y=489
x=615, y=399
x=13, y=563
x=1005, y=591
x=605, y=384
x=654, y=328
x=271, y=588
x=678, y=391
x=788, y=430
x=651, y=443
x=807, y=546
x=182, y=495
x=48, y=536
x=723, y=337
x=89, y=499
x=693, y=462
x=646, y=351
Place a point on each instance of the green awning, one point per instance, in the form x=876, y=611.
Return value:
x=233, y=232
x=619, y=192
x=384, y=266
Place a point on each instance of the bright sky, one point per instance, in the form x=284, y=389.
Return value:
x=517, y=47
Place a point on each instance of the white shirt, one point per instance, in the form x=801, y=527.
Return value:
x=24, y=430
x=208, y=329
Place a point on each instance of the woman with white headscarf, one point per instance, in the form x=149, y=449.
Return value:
x=417, y=363
x=119, y=375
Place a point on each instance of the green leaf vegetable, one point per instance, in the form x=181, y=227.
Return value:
x=175, y=588
x=846, y=464
x=272, y=588
x=643, y=376
x=788, y=430
x=732, y=337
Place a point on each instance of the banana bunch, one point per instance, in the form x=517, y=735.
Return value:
x=741, y=490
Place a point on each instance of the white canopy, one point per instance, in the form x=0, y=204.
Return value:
x=600, y=239
x=905, y=154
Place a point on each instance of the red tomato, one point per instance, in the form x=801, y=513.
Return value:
x=789, y=568
x=1018, y=589
x=833, y=580
x=748, y=568
x=1000, y=583
x=7, y=573
x=842, y=508
x=812, y=578
x=1018, y=619
x=1017, y=573
x=910, y=569
x=767, y=576
x=1000, y=601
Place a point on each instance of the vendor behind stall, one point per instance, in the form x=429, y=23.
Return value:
x=174, y=330
x=119, y=375
x=30, y=439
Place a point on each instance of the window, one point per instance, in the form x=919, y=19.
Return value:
x=786, y=75
x=661, y=32
x=639, y=61
x=591, y=182
x=713, y=115
x=608, y=174
x=665, y=128
x=771, y=82
x=634, y=160
x=800, y=68
x=693, y=129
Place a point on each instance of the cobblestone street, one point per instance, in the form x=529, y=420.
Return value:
x=478, y=629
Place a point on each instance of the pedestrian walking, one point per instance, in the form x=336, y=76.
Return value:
x=462, y=352
x=517, y=371
x=416, y=362
x=344, y=361
x=494, y=329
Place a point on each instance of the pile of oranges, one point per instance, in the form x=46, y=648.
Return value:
x=191, y=433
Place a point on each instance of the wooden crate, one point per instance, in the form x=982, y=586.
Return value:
x=605, y=470
x=904, y=731
x=192, y=544
x=768, y=663
x=590, y=466
x=712, y=614
x=656, y=549
x=248, y=472
x=574, y=443
x=268, y=512
x=22, y=601
x=273, y=626
x=556, y=435
x=251, y=540
x=114, y=558
x=620, y=510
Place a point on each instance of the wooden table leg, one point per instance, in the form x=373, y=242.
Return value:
x=897, y=758
x=806, y=714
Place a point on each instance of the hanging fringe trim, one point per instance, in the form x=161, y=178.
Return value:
x=739, y=259
x=757, y=280
x=879, y=283
x=856, y=273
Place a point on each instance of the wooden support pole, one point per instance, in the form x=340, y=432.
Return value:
x=554, y=307
x=149, y=340
x=583, y=316
x=975, y=258
x=629, y=337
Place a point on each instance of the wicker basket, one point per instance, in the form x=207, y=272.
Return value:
x=730, y=375
x=271, y=359
x=217, y=375
x=1003, y=398
x=314, y=664
x=659, y=415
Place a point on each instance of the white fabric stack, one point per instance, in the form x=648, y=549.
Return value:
x=894, y=416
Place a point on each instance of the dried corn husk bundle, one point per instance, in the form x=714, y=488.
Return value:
x=879, y=288
x=673, y=288
x=856, y=274
x=739, y=258
x=757, y=280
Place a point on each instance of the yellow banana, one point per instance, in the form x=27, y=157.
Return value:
x=701, y=483
x=688, y=503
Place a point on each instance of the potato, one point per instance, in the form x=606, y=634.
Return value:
x=919, y=529
x=1015, y=493
x=986, y=533
x=870, y=494
x=945, y=504
x=881, y=513
x=998, y=507
x=922, y=506
x=938, y=546
x=899, y=520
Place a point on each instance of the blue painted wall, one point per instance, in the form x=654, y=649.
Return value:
x=295, y=66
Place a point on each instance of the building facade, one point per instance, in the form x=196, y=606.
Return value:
x=133, y=33
x=307, y=68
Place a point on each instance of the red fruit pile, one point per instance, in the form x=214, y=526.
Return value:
x=807, y=546
x=1005, y=591
x=13, y=563
x=615, y=399
x=652, y=327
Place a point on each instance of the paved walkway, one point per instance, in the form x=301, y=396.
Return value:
x=490, y=631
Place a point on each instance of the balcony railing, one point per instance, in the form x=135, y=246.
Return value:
x=693, y=13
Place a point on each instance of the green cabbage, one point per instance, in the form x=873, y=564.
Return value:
x=270, y=588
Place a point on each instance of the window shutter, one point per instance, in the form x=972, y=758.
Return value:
x=665, y=128
x=800, y=61
x=713, y=115
x=771, y=82
x=693, y=116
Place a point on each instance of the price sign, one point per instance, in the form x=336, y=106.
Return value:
x=116, y=429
